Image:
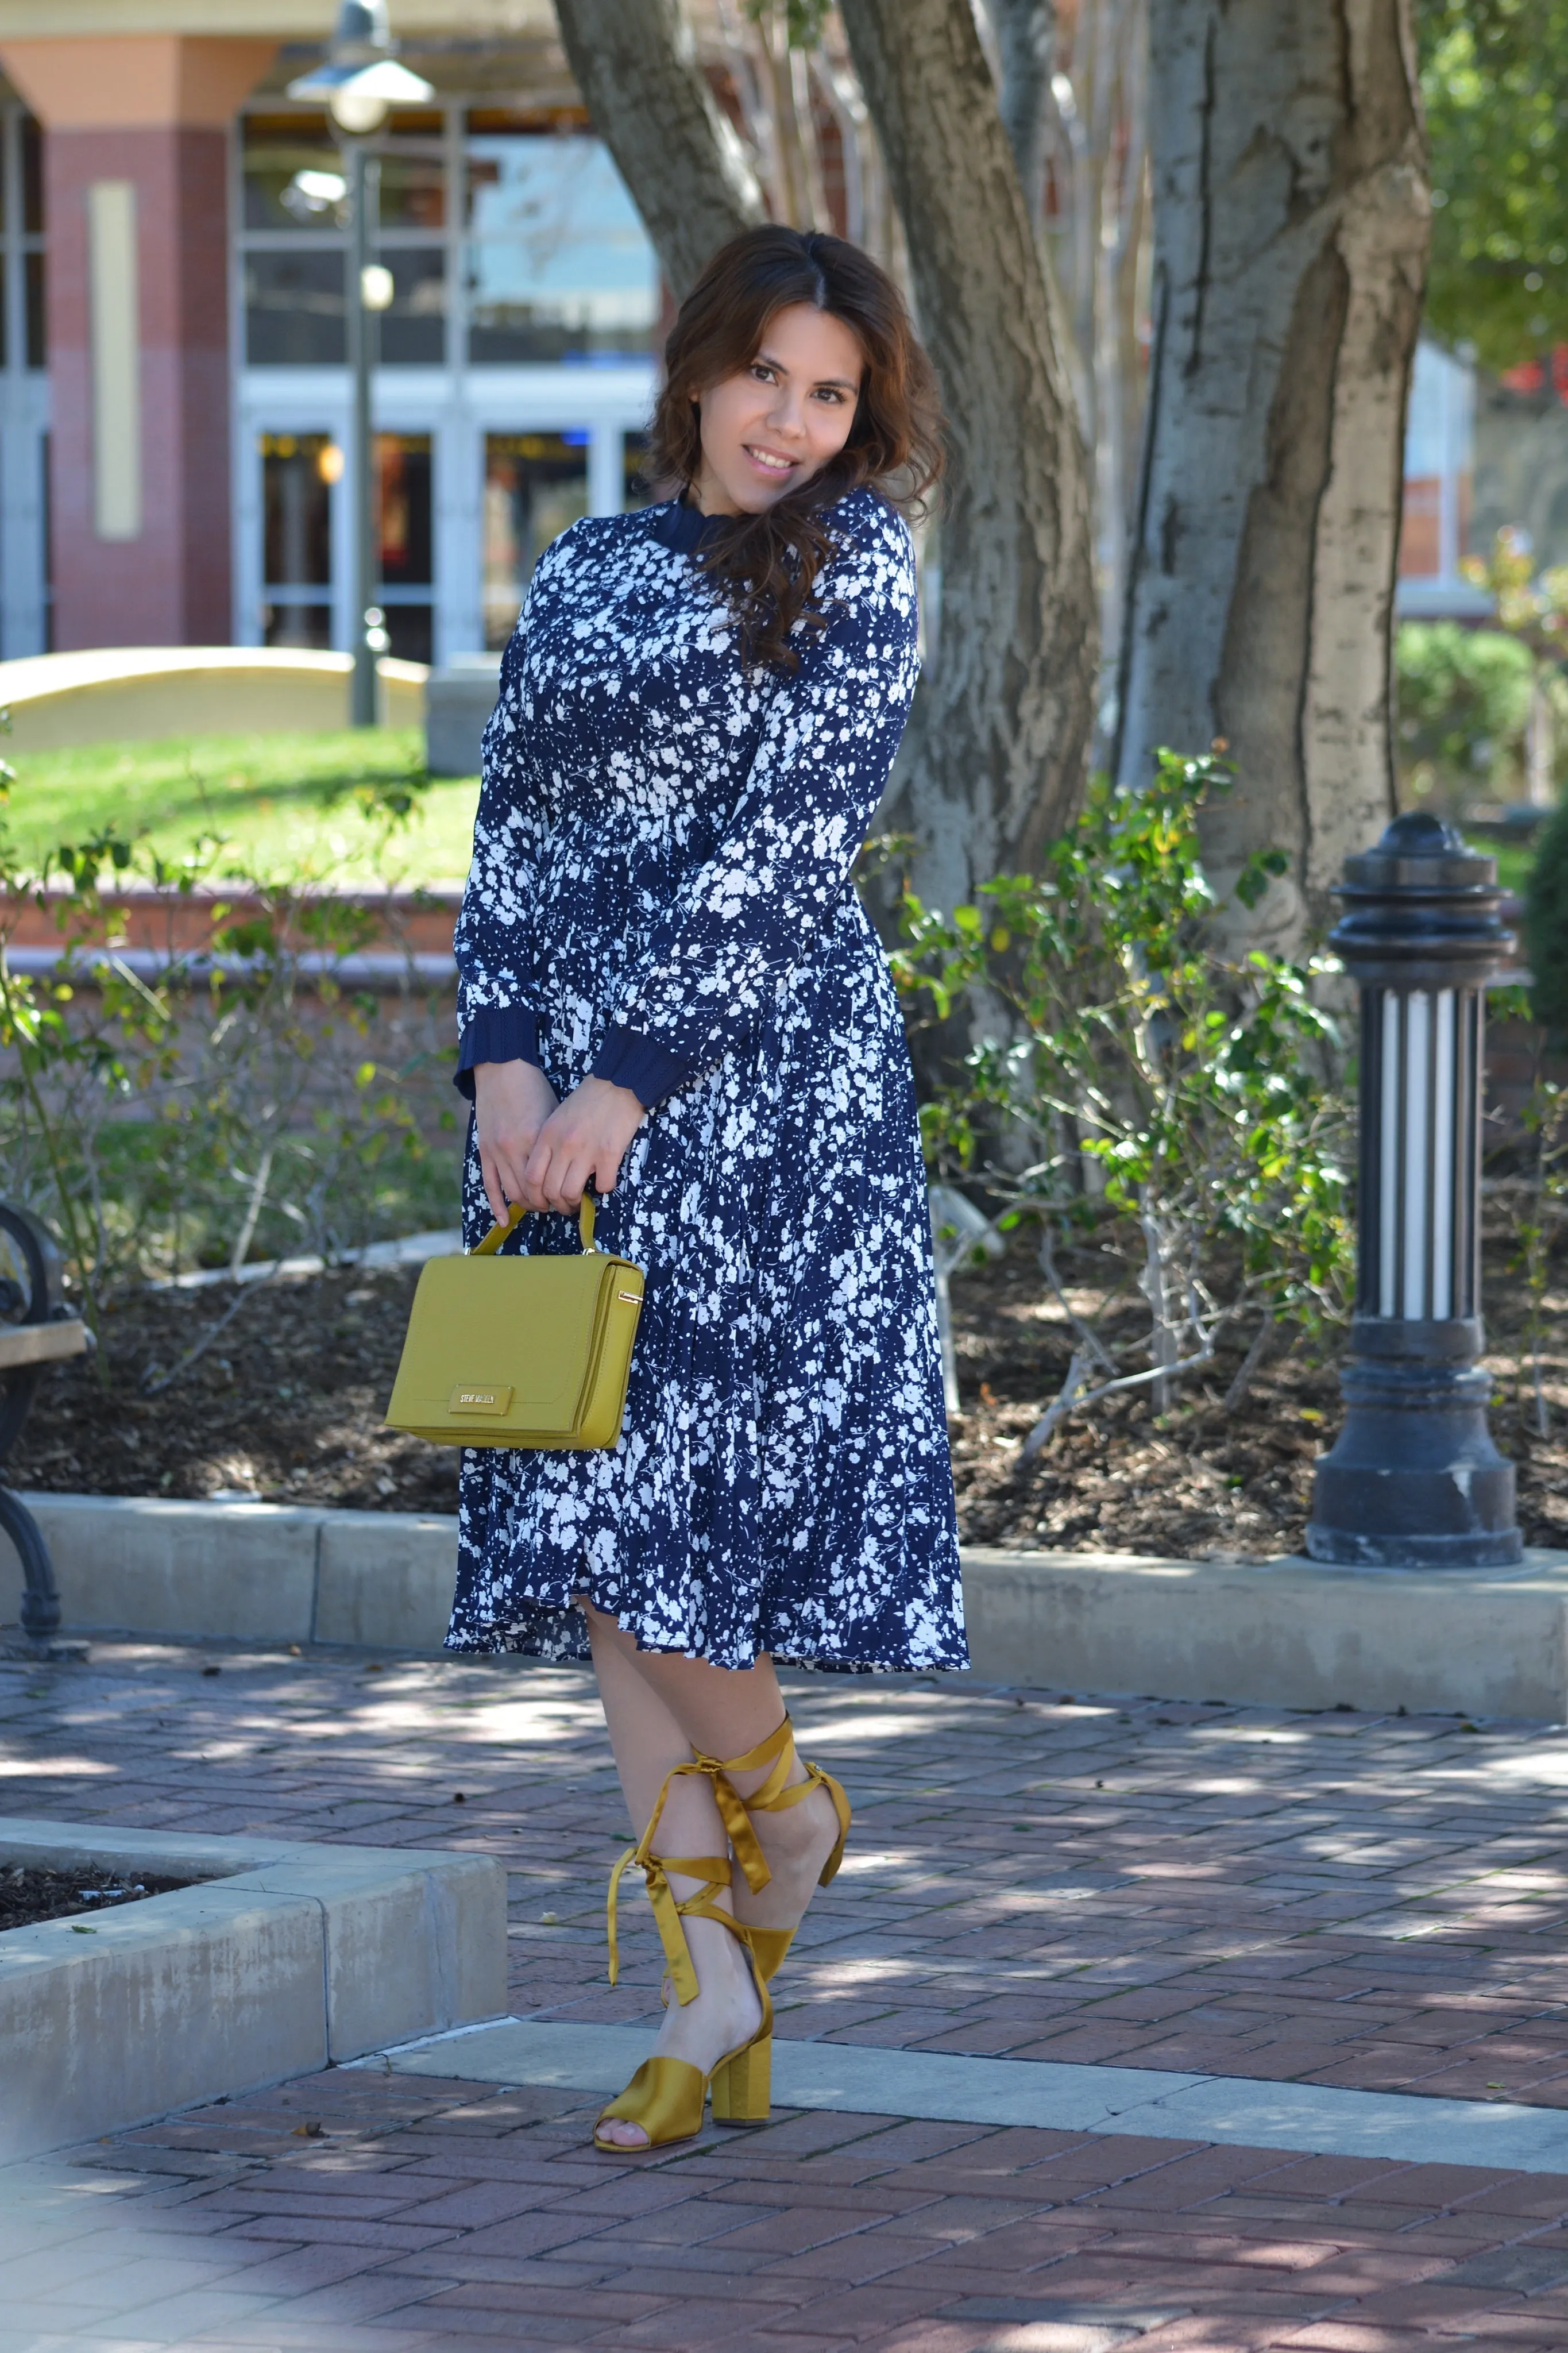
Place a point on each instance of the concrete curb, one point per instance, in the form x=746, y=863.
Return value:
x=1281, y=1633
x=284, y=1958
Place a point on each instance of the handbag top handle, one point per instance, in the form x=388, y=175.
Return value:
x=514, y=1217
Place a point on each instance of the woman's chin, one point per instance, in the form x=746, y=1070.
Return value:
x=756, y=498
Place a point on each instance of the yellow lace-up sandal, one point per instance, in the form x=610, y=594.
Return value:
x=666, y=2096
x=769, y=1946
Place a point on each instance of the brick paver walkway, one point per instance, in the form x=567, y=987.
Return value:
x=1338, y=1899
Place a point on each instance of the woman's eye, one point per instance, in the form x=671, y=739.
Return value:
x=832, y=394
x=763, y=374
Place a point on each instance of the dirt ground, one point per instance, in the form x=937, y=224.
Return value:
x=28, y=1896
x=285, y=1405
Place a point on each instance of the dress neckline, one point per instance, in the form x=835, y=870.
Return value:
x=684, y=528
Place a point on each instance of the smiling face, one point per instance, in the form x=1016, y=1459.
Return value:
x=777, y=423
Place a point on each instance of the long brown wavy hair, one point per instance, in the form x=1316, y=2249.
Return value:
x=767, y=563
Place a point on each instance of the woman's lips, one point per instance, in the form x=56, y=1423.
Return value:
x=766, y=462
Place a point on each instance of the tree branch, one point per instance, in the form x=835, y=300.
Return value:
x=688, y=174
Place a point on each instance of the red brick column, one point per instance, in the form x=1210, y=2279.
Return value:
x=152, y=111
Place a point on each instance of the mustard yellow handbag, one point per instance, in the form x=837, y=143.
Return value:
x=520, y=1351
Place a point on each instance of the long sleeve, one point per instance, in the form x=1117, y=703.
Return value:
x=755, y=910
x=494, y=939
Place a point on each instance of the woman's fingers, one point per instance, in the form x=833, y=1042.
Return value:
x=491, y=1178
x=536, y=1173
x=581, y=1143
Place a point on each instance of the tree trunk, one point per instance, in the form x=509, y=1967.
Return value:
x=992, y=763
x=1291, y=216
x=1027, y=47
x=687, y=172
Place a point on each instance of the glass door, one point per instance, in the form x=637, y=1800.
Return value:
x=535, y=484
x=298, y=474
x=406, y=547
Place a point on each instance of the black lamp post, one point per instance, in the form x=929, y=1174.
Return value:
x=360, y=81
x=1414, y=1480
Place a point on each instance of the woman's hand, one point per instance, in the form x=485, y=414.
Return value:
x=581, y=1143
x=512, y=1102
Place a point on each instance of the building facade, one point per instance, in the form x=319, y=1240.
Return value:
x=175, y=400
x=173, y=394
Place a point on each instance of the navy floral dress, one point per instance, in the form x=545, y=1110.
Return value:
x=660, y=895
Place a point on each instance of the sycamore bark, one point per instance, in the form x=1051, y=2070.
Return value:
x=993, y=765
x=1291, y=218
x=690, y=176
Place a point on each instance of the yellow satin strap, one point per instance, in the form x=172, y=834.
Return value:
x=712, y=1870
x=665, y=2097
x=777, y=1749
x=513, y=1218
x=773, y=1797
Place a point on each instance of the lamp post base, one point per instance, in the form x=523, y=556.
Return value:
x=1414, y=1480
x=1353, y=1548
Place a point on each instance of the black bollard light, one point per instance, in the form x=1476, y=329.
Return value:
x=1414, y=1480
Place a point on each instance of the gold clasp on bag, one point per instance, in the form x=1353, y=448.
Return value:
x=476, y=1400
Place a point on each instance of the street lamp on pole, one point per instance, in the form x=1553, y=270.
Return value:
x=360, y=81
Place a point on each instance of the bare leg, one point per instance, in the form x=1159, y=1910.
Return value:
x=659, y=1709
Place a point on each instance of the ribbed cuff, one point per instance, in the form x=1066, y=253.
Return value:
x=497, y=1033
x=650, y=1070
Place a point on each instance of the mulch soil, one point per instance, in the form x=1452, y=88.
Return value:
x=28, y=1896
x=285, y=1406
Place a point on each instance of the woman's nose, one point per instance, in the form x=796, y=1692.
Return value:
x=787, y=417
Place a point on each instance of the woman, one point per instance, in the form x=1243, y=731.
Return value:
x=670, y=994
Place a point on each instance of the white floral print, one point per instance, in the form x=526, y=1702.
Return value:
x=661, y=893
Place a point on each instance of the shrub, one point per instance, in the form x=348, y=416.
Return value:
x=227, y=1104
x=1463, y=707
x=1162, y=1113
x=1546, y=926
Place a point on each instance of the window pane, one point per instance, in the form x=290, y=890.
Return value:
x=414, y=331
x=535, y=484
x=309, y=627
x=560, y=266
x=412, y=631
x=413, y=190
x=403, y=506
x=293, y=173
x=298, y=471
x=32, y=177
x=294, y=310
x=33, y=289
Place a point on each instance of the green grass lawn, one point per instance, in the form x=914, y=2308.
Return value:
x=294, y=806
x=289, y=807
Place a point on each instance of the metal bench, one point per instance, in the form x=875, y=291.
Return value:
x=36, y=1330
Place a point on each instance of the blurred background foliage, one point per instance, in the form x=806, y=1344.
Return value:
x=1494, y=77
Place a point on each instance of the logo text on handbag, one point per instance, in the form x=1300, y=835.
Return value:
x=471, y=1398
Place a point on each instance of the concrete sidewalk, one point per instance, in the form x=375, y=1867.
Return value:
x=1329, y=1900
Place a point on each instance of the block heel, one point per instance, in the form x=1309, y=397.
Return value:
x=742, y=2087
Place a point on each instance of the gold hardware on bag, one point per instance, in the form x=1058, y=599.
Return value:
x=537, y=1349
x=464, y=1400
